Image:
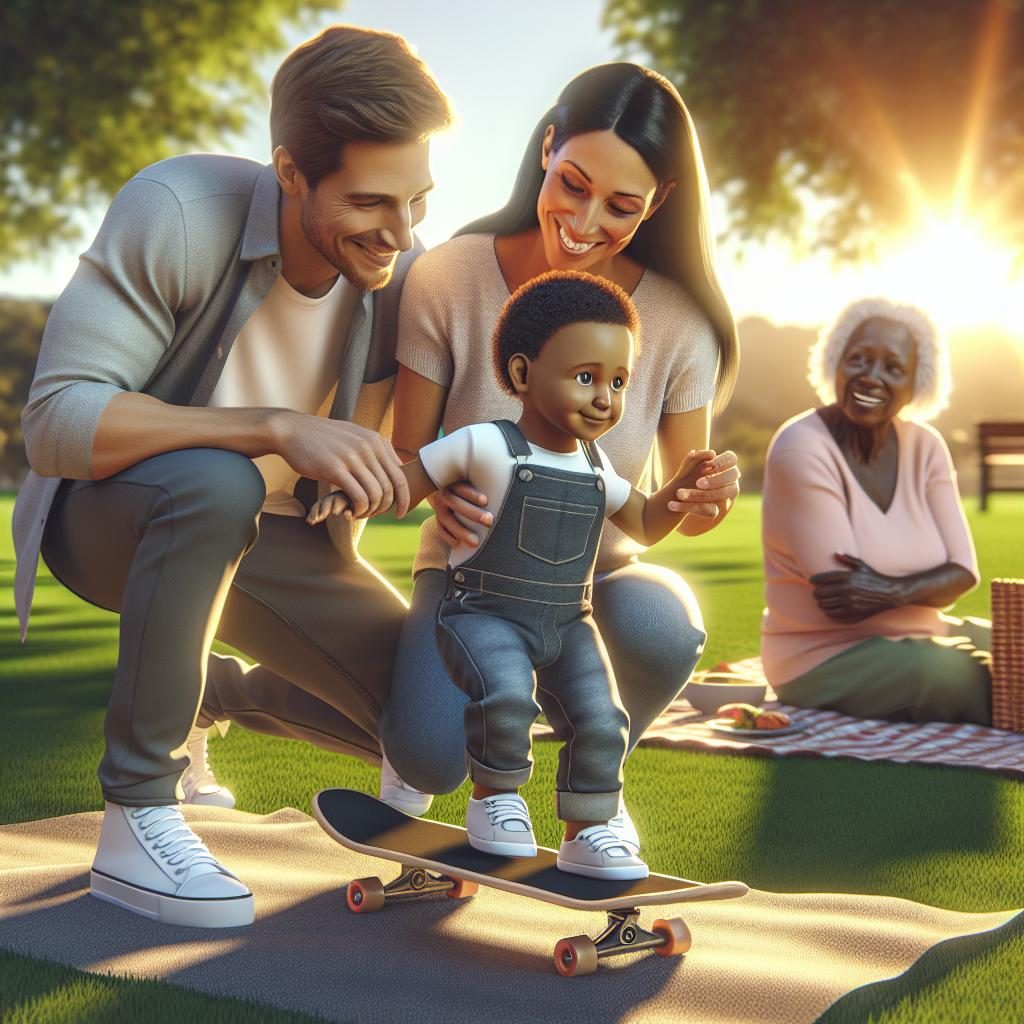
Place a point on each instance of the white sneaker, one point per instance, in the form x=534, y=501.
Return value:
x=501, y=824
x=150, y=862
x=623, y=827
x=399, y=794
x=198, y=783
x=599, y=853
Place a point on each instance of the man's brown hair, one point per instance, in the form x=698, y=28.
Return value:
x=351, y=84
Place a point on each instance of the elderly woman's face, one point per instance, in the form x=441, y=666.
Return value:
x=875, y=377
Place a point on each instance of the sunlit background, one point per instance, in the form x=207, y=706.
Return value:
x=503, y=71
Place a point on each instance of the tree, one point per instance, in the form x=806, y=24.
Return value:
x=838, y=118
x=92, y=90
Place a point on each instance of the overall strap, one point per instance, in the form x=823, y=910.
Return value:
x=517, y=444
x=592, y=453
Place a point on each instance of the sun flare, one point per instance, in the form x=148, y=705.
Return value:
x=960, y=274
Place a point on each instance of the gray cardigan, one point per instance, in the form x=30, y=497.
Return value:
x=187, y=251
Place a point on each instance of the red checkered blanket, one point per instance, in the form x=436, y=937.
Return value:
x=830, y=734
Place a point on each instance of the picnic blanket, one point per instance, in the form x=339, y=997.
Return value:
x=763, y=958
x=831, y=734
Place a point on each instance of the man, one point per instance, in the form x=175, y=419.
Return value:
x=231, y=333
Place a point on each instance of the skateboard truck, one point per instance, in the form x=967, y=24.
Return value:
x=623, y=934
x=365, y=895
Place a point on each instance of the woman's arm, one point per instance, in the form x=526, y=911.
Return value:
x=707, y=504
x=858, y=592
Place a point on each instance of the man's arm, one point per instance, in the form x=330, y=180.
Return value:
x=360, y=462
x=338, y=503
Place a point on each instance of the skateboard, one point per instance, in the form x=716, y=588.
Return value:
x=437, y=858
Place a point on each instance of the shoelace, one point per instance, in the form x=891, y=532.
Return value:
x=166, y=831
x=508, y=807
x=600, y=839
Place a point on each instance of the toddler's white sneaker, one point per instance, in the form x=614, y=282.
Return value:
x=150, y=862
x=397, y=793
x=599, y=853
x=198, y=783
x=623, y=827
x=501, y=824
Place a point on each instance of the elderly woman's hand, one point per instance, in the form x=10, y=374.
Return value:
x=465, y=500
x=857, y=593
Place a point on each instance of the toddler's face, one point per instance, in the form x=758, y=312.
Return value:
x=578, y=379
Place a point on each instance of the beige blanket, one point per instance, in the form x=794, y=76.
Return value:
x=766, y=957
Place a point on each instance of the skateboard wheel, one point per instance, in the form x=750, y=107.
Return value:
x=462, y=890
x=577, y=955
x=676, y=934
x=365, y=895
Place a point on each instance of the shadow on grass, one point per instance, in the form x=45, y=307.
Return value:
x=879, y=816
x=958, y=955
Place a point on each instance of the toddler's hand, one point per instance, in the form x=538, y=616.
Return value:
x=334, y=504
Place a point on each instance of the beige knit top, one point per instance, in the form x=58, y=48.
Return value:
x=450, y=304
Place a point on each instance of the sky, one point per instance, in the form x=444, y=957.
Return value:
x=502, y=72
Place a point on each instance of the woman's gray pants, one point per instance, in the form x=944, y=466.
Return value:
x=650, y=624
x=176, y=544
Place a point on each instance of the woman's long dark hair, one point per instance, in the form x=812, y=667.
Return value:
x=644, y=110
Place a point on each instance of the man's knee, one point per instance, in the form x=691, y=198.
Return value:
x=223, y=484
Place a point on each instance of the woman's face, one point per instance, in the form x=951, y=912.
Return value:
x=875, y=376
x=597, y=191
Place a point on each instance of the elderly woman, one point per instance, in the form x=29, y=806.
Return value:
x=865, y=540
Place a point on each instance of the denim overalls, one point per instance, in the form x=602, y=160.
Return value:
x=520, y=605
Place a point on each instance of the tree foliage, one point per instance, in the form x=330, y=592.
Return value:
x=92, y=90
x=843, y=118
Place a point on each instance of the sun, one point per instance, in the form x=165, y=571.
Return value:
x=958, y=272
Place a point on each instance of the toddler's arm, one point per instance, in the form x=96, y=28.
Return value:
x=647, y=519
x=337, y=502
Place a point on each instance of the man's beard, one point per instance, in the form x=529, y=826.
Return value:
x=311, y=223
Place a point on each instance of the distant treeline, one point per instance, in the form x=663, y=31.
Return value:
x=988, y=371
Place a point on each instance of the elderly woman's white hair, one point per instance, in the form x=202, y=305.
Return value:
x=932, y=382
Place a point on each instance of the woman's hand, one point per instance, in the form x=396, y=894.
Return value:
x=856, y=593
x=715, y=492
x=465, y=500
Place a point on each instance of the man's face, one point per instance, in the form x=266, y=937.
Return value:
x=360, y=217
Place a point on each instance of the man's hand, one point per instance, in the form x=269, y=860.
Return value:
x=355, y=460
x=857, y=593
x=713, y=492
x=465, y=500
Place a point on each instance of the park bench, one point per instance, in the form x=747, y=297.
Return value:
x=1000, y=447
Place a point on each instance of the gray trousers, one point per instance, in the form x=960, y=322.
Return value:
x=650, y=624
x=176, y=544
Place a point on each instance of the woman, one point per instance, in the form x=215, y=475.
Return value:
x=612, y=184
x=865, y=540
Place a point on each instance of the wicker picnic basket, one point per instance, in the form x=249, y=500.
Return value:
x=1008, y=654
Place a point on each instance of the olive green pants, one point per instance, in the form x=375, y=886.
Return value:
x=937, y=679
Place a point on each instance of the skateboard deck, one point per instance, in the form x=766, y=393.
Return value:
x=362, y=823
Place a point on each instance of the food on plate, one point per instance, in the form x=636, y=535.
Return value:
x=746, y=716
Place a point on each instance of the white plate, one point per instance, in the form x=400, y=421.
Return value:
x=719, y=725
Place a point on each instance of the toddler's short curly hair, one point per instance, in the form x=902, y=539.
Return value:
x=543, y=306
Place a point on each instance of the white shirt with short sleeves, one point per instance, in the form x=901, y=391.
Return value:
x=479, y=453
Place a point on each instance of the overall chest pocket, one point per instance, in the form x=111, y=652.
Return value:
x=555, y=531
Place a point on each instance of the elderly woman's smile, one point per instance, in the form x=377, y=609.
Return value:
x=875, y=376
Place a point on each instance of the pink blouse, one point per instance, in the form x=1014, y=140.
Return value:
x=814, y=507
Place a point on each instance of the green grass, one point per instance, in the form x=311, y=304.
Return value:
x=945, y=837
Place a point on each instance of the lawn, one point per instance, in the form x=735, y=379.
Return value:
x=947, y=837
